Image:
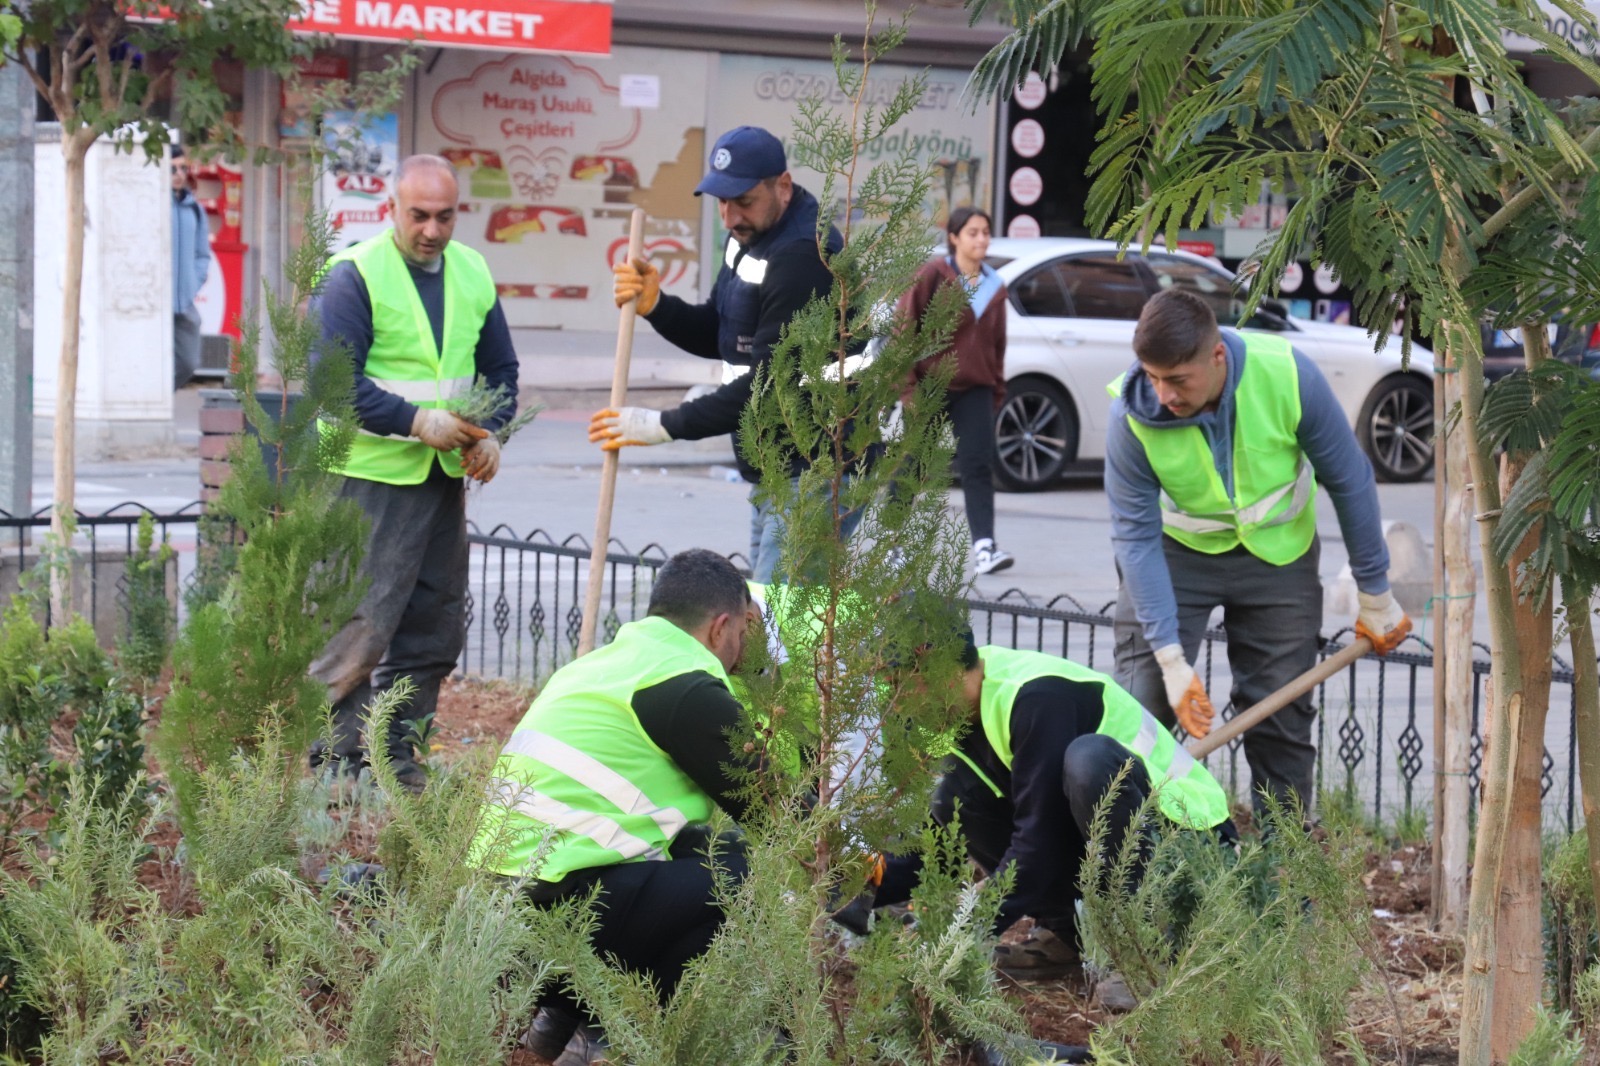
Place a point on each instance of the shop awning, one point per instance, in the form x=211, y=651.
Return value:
x=566, y=26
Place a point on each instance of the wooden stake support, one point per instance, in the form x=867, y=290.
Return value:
x=1278, y=700
x=608, y=462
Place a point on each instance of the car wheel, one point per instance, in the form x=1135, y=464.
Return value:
x=1035, y=435
x=1396, y=428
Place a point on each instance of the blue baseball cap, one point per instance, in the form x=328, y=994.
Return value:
x=741, y=158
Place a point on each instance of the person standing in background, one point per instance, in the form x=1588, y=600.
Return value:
x=978, y=388
x=772, y=266
x=191, y=263
x=421, y=320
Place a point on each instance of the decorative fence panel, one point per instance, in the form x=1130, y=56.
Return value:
x=525, y=604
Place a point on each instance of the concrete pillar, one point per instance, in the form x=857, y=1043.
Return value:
x=16, y=290
x=125, y=322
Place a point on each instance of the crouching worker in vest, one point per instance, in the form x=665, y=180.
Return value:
x=1215, y=447
x=1047, y=741
x=420, y=319
x=614, y=773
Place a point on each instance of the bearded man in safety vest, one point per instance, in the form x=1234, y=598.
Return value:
x=612, y=776
x=420, y=319
x=1047, y=742
x=1216, y=445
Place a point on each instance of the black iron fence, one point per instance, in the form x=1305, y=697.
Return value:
x=525, y=607
x=1374, y=723
x=102, y=544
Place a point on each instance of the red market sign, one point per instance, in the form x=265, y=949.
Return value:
x=571, y=26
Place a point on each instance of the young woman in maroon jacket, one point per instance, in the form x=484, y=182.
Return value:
x=979, y=386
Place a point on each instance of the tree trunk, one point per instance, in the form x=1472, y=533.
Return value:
x=1520, y=931
x=75, y=147
x=1502, y=722
x=1586, y=718
x=1455, y=587
x=1520, y=934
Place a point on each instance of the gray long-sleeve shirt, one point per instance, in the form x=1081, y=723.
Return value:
x=1324, y=437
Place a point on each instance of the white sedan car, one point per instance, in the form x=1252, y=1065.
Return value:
x=1070, y=332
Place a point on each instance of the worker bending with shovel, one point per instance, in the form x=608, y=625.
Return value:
x=1216, y=444
x=1047, y=742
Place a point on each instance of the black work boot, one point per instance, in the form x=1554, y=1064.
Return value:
x=547, y=1035
x=408, y=773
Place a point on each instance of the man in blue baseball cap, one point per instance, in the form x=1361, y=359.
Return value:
x=772, y=267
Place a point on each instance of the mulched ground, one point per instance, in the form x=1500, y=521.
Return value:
x=1406, y=1013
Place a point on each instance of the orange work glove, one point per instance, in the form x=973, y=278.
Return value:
x=639, y=280
x=1185, y=694
x=480, y=460
x=619, y=427
x=1382, y=621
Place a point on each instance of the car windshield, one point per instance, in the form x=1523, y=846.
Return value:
x=998, y=261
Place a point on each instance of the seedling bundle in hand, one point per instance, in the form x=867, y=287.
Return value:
x=483, y=402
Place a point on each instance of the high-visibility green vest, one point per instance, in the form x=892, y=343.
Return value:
x=786, y=625
x=403, y=358
x=580, y=776
x=1185, y=790
x=1271, y=512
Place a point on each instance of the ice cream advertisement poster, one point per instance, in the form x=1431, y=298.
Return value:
x=364, y=149
x=552, y=162
x=941, y=131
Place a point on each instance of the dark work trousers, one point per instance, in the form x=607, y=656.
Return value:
x=971, y=414
x=185, y=346
x=1089, y=768
x=412, y=621
x=653, y=917
x=1273, y=615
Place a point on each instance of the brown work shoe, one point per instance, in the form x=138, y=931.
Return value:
x=1041, y=956
x=1112, y=994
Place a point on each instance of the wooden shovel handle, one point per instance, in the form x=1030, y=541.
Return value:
x=1279, y=699
x=608, y=461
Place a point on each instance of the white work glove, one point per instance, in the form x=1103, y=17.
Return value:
x=1185, y=694
x=892, y=423
x=481, y=460
x=619, y=427
x=444, y=430
x=1382, y=621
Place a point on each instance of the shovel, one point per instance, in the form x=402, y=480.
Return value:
x=608, y=462
x=1278, y=700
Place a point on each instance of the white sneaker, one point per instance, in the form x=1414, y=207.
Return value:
x=987, y=559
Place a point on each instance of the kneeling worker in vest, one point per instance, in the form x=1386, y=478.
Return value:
x=420, y=319
x=1048, y=739
x=1216, y=444
x=615, y=771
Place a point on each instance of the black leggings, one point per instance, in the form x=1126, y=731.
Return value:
x=971, y=414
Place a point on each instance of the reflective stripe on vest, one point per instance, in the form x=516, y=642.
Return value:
x=1276, y=522
x=424, y=392
x=1185, y=790
x=579, y=784
x=405, y=359
x=748, y=269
